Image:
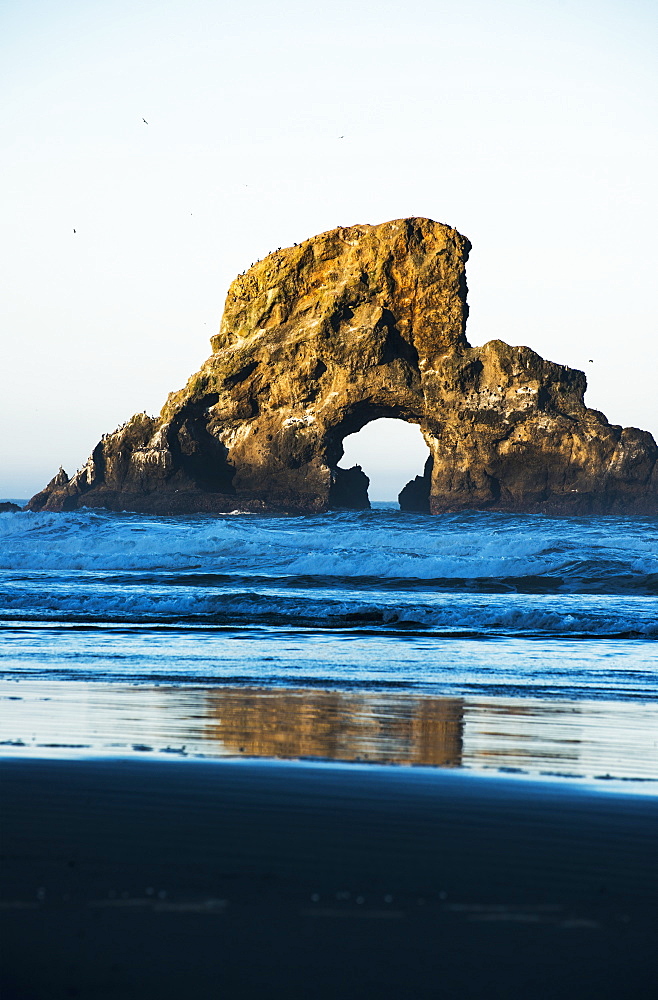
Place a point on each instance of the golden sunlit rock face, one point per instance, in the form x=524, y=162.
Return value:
x=319, y=339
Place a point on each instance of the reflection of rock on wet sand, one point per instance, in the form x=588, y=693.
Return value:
x=338, y=726
x=581, y=739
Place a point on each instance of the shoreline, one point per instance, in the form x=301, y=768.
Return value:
x=138, y=878
x=571, y=739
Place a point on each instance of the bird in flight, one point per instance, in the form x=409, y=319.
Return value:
x=75, y=230
x=145, y=121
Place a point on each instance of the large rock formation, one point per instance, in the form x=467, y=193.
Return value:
x=321, y=338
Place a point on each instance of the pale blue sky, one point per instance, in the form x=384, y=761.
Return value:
x=531, y=127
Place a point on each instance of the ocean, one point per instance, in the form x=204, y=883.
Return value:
x=492, y=642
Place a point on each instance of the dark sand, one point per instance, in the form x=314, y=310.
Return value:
x=190, y=879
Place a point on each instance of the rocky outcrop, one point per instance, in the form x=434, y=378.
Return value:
x=321, y=338
x=7, y=507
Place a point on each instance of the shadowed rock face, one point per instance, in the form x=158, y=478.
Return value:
x=6, y=507
x=319, y=339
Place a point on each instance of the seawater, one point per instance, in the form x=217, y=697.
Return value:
x=477, y=639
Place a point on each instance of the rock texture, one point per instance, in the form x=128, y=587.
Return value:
x=321, y=338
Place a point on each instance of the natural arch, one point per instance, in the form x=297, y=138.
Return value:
x=318, y=340
x=391, y=453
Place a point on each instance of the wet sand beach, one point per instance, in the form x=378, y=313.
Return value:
x=129, y=878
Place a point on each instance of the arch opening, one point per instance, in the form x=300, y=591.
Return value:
x=387, y=460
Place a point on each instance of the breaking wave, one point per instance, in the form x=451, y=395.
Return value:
x=473, y=574
x=577, y=555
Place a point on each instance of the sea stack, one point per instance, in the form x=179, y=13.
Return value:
x=317, y=340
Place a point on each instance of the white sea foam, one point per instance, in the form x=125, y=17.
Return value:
x=475, y=547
